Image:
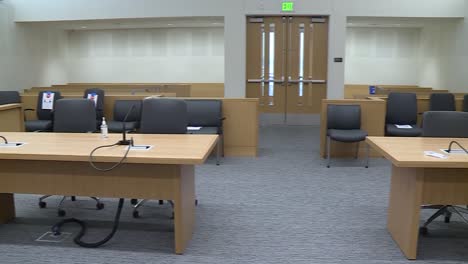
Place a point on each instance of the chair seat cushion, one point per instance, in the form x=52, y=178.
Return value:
x=38, y=125
x=351, y=135
x=392, y=130
x=204, y=131
x=117, y=127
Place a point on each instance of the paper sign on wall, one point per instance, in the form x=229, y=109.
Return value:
x=94, y=97
x=48, y=101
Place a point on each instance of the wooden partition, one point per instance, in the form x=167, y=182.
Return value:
x=372, y=121
x=240, y=126
x=11, y=116
x=179, y=89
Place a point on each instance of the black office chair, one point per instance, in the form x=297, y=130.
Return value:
x=402, y=109
x=97, y=96
x=162, y=116
x=44, y=112
x=449, y=124
x=465, y=103
x=207, y=114
x=73, y=116
x=442, y=102
x=121, y=109
x=9, y=97
x=344, y=125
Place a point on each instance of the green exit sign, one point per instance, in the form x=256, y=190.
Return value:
x=287, y=6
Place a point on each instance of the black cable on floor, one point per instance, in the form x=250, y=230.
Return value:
x=57, y=228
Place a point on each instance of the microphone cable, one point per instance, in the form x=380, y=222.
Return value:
x=4, y=138
x=56, y=229
x=458, y=144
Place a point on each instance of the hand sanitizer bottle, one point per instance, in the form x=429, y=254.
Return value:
x=104, y=131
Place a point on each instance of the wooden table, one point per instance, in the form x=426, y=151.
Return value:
x=57, y=164
x=417, y=180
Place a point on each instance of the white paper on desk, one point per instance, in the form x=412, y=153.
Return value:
x=48, y=101
x=404, y=126
x=191, y=128
x=435, y=154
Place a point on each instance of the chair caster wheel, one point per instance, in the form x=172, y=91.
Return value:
x=133, y=201
x=447, y=219
x=61, y=213
x=42, y=204
x=196, y=202
x=423, y=231
x=136, y=214
x=73, y=198
x=367, y=167
x=100, y=206
x=328, y=166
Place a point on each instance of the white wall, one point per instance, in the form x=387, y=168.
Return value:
x=187, y=55
x=382, y=56
x=456, y=57
x=234, y=12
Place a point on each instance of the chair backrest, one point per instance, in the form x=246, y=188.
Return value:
x=74, y=116
x=9, y=97
x=442, y=102
x=121, y=108
x=465, y=103
x=164, y=116
x=445, y=124
x=91, y=93
x=402, y=109
x=205, y=112
x=344, y=117
x=46, y=103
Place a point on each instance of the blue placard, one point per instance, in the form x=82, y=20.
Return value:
x=371, y=89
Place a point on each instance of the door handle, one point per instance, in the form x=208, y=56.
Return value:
x=308, y=81
x=265, y=81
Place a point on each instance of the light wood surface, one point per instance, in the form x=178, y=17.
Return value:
x=57, y=164
x=12, y=118
x=372, y=121
x=418, y=180
x=240, y=126
x=178, y=89
x=409, y=152
x=167, y=149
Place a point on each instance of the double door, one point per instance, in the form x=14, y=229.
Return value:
x=287, y=64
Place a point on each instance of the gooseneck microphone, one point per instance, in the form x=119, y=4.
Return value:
x=458, y=144
x=4, y=138
x=124, y=141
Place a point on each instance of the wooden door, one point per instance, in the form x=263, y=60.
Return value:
x=287, y=63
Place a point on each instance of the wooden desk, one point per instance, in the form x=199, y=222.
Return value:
x=57, y=164
x=418, y=180
x=12, y=118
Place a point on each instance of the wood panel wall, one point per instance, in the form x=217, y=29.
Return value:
x=12, y=119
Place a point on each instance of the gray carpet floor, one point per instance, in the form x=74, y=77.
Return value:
x=281, y=207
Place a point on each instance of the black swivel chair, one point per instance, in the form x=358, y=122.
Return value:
x=465, y=103
x=73, y=116
x=9, y=97
x=44, y=111
x=344, y=125
x=99, y=102
x=207, y=114
x=442, y=102
x=121, y=109
x=449, y=124
x=402, y=109
x=162, y=116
